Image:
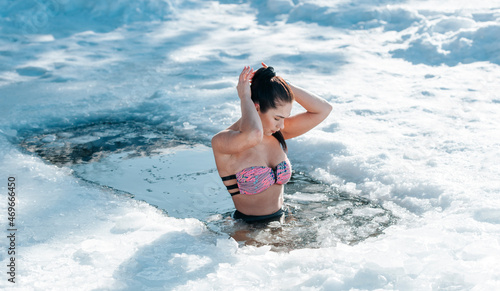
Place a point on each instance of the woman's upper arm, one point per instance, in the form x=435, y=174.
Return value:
x=303, y=122
x=232, y=142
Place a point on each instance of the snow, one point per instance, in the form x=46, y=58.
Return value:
x=106, y=112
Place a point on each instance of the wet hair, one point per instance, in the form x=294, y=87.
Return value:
x=270, y=91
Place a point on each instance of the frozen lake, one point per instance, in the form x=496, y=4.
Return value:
x=107, y=111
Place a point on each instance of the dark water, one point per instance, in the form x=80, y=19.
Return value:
x=318, y=216
x=91, y=142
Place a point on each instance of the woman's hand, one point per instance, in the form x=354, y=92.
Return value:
x=317, y=110
x=245, y=133
x=243, y=86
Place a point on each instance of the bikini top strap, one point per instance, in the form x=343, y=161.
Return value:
x=227, y=178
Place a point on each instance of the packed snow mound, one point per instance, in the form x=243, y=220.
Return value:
x=355, y=17
x=427, y=37
x=452, y=40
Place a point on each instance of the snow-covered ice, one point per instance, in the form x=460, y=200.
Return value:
x=107, y=110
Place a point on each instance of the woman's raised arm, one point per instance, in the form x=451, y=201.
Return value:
x=317, y=110
x=247, y=131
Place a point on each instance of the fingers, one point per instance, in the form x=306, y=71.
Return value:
x=246, y=74
x=264, y=65
x=243, y=86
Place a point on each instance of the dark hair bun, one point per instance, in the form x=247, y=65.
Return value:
x=263, y=75
x=268, y=73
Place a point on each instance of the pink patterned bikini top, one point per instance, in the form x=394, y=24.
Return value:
x=253, y=180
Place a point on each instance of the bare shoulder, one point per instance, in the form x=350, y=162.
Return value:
x=230, y=141
x=218, y=139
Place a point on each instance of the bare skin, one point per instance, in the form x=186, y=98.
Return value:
x=249, y=141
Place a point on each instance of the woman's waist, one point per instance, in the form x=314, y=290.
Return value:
x=266, y=202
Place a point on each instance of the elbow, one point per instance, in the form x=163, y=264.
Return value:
x=328, y=107
x=212, y=141
x=215, y=142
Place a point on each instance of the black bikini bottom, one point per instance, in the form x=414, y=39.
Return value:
x=259, y=218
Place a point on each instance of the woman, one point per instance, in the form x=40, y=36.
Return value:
x=251, y=154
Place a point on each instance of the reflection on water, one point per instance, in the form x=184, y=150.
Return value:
x=91, y=142
x=318, y=216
